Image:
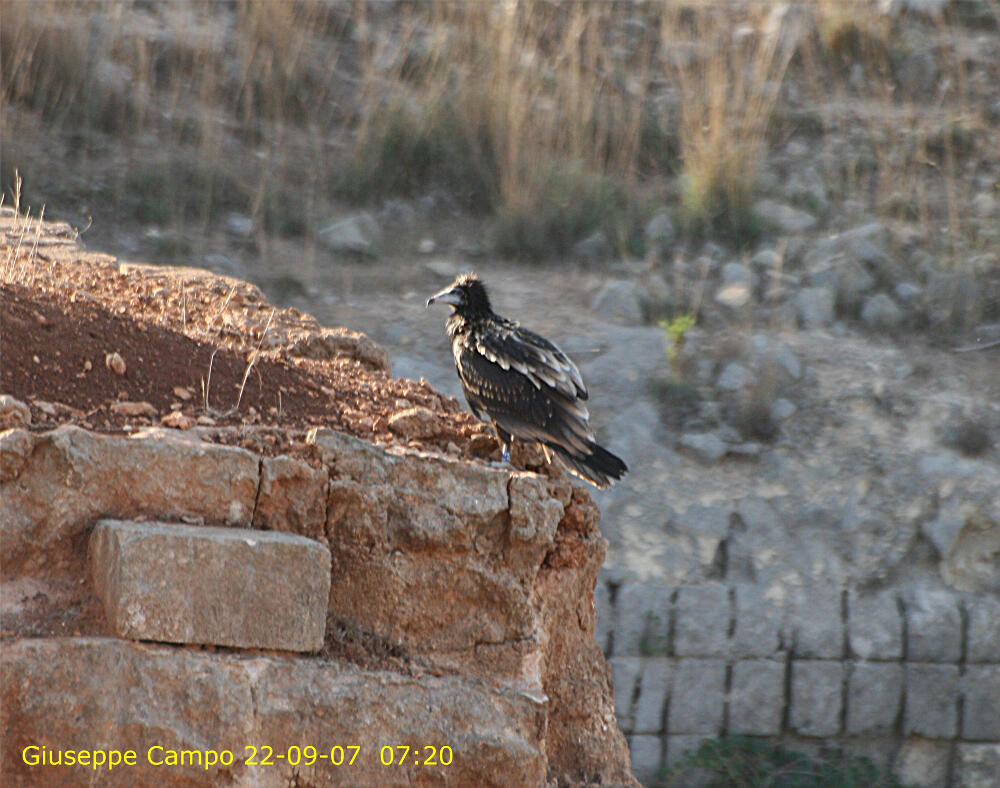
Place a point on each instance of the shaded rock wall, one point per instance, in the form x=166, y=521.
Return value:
x=911, y=680
x=466, y=593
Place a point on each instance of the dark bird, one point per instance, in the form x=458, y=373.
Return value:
x=522, y=384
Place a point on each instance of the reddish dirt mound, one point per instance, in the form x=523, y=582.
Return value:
x=198, y=349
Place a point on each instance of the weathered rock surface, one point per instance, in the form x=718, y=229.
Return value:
x=71, y=477
x=326, y=343
x=292, y=497
x=477, y=575
x=13, y=412
x=476, y=570
x=98, y=693
x=161, y=581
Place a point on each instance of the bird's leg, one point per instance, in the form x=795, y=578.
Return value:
x=505, y=439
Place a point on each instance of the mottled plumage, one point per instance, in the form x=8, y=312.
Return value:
x=522, y=384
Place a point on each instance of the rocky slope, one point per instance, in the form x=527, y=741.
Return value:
x=460, y=612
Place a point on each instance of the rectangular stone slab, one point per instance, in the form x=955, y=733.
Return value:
x=220, y=586
x=266, y=710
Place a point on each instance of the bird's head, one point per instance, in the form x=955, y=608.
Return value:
x=466, y=294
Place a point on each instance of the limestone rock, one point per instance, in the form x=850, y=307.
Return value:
x=13, y=413
x=816, y=697
x=292, y=497
x=783, y=217
x=814, y=306
x=923, y=762
x=756, y=697
x=479, y=570
x=734, y=377
x=593, y=248
x=133, y=409
x=415, y=423
x=238, y=225
x=76, y=476
x=881, y=312
x=221, y=586
x=707, y=447
x=398, y=525
x=356, y=234
x=16, y=446
x=328, y=343
x=620, y=300
x=978, y=765
x=659, y=230
x=180, y=699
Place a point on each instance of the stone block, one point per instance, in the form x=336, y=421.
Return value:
x=931, y=700
x=701, y=628
x=816, y=697
x=647, y=757
x=933, y=627
x=757, y=697
x=978, y=765
x=874, y=697
x=984, y=630
x=758, y=623
x=697, y=697
x=82, y=693
x=874, y=626
x=75, y=477
x=923, y=763
x=643, y=619
x=654, y=686
x=224, y=586
x=624, y=674
x=815, y=622
x=981, y=710
x=292, y=497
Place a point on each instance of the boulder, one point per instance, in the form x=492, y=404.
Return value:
x=356, y=234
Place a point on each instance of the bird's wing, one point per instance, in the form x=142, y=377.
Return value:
x=545, y=365
x=523, y=403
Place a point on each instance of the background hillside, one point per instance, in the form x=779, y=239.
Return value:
x=769, y=234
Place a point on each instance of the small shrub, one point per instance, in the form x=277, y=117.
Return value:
x=969, y=435
x=282, y=213
x=675, y=329
x=717, y=200
x=747, y=762
x=727, y=102
x=172, y=247
x=178, y=190
x=566, y=205
x=678, y=400
x=406, y=151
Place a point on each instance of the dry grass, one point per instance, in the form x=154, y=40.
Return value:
x=557, y=118
x=19, y=263
x=728, y=88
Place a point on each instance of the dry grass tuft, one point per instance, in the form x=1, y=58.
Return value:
x=728, y=87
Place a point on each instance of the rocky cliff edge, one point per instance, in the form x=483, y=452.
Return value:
x=459, y=621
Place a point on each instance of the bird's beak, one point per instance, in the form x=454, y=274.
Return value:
x=449, y=295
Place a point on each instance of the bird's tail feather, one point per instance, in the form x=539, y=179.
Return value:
x=600, y=467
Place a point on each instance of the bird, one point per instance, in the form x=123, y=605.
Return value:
x=522, y=384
